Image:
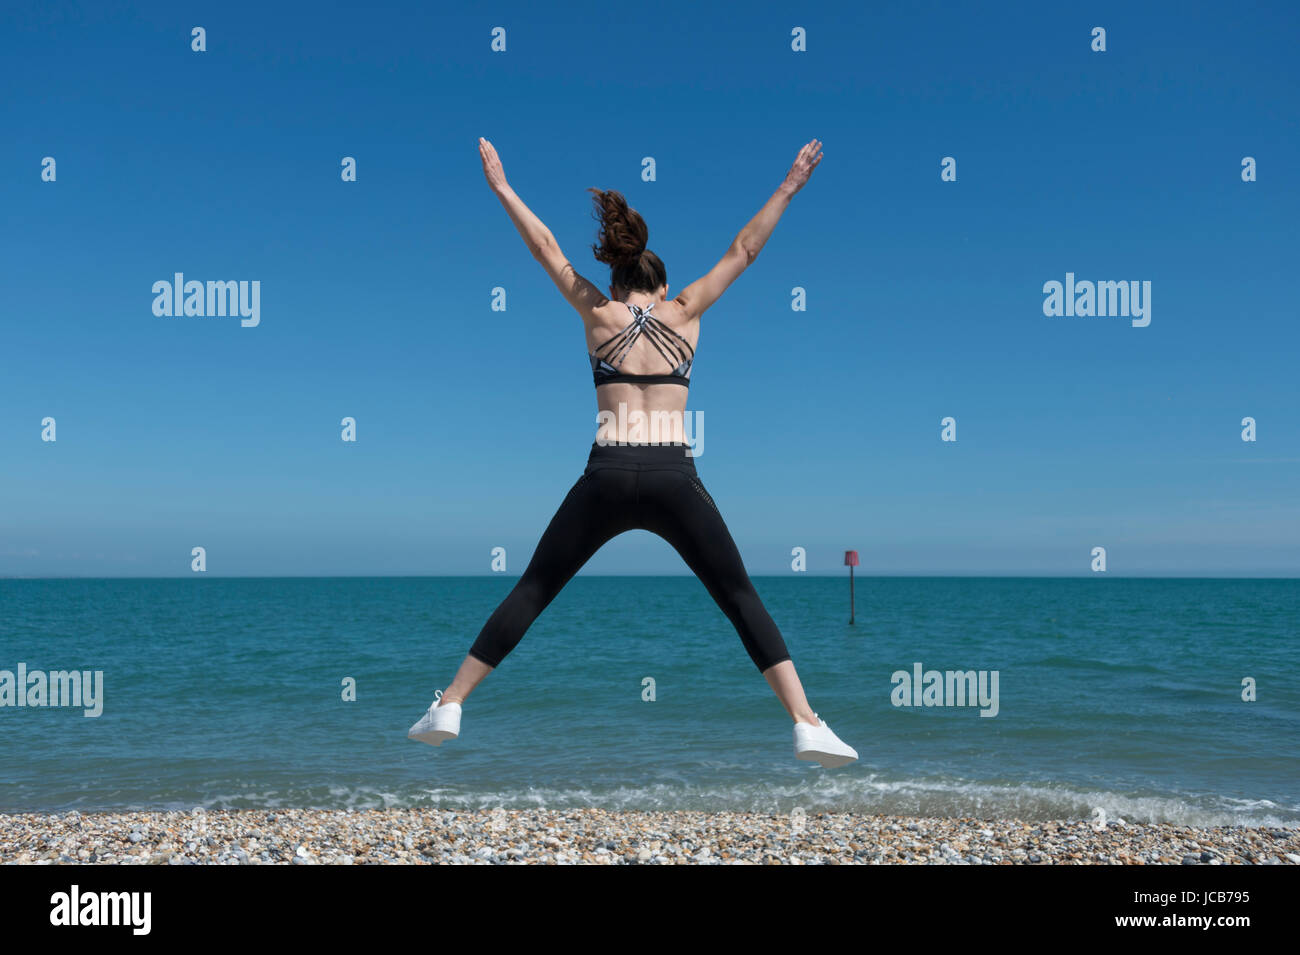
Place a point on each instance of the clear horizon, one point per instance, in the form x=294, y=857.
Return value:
x=687, y=575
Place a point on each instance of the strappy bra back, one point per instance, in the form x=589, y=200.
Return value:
x=608, y=357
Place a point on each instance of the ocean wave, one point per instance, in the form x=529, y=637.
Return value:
x=1083, y=663
x=875, y=794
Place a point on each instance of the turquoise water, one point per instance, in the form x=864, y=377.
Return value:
x=1123, y=694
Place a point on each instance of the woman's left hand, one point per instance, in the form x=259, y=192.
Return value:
x=496, y=176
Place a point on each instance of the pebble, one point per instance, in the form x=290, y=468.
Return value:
x=586, y=836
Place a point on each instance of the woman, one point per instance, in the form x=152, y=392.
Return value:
x=641, y=345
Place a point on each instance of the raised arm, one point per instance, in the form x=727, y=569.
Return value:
x=580, y=293
x=702, y=293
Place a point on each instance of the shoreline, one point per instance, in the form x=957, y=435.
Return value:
x=614, y=837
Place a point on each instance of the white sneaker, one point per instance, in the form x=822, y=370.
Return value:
x=442, y=721
x=820, y=744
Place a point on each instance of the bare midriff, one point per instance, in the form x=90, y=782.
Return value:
x=641, y=414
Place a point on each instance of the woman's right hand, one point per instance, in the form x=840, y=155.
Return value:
x=804, y=164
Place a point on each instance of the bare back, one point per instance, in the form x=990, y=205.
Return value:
x=661, y=407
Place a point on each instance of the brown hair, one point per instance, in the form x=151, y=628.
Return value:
x=623, y=234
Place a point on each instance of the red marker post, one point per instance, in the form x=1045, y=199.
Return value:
x=851, y=561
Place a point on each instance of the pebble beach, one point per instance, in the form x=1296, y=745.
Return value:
x=613, y=837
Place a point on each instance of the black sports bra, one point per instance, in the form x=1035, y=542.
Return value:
x=609, y=355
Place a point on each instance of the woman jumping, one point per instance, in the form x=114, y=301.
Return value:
x=641, y=346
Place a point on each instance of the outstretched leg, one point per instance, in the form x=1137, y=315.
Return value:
x=676, y=506
x=595, y=509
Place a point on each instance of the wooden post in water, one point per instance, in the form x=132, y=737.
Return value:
x=851, y=561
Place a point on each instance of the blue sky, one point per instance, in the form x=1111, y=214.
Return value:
x=822, y=428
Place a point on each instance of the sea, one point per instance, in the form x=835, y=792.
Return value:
x=1148, y=700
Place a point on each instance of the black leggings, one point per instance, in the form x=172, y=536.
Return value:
x=627, y=487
